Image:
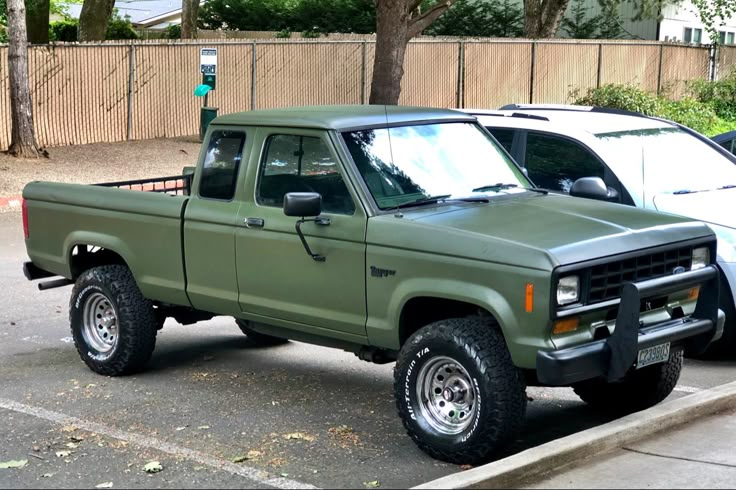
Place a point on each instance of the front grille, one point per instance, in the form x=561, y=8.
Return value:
x=607, y=280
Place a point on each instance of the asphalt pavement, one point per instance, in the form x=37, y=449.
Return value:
x=215, y=412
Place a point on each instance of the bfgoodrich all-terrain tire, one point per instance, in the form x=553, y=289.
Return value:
x=457, y=391
x=638, y=390
x=113, y=325
x=259, y=339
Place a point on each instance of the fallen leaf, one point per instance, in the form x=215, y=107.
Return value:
x=62, y=454
x=254, y=454
x=372, y=484
x=153, y=467
x=181, y=428
x=203, y=427
x=240, y=459
x=20, y=463
x=107, y=484
x=284, y=475
x=299, y=436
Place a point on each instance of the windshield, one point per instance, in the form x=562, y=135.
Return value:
x=674, y=161
x=448, y=160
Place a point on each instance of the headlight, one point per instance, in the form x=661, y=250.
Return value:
x=701, y=258
x=568, y=290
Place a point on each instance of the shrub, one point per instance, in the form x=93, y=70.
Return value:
x=625, y=97
x=173, y=31
x=720, y=95
x=64, y=30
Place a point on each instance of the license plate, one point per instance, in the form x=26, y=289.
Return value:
x=653, y=355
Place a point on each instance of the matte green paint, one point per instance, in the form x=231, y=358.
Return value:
x=479, y=253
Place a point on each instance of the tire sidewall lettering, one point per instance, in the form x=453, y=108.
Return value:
x=412, y=403
x=78, y=320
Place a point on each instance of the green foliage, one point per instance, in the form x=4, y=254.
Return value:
x=480, y=18
x=579, y=24
x=319, y=16
x=173, y=32
x=311, y=34
x=283, y=34
x=701, y=115
x=66, y=30
x=720, y=95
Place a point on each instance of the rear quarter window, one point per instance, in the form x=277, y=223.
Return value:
x=221, y=165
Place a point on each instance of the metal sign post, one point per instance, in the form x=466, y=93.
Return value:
x=208, y=68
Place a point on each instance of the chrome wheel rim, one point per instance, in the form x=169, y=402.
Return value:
x=446, y=395
x=100, y=330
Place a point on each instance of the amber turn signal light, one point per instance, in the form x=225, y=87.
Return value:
x=566, y=325
x=529, y=303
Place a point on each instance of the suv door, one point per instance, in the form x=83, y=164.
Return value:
x=276, y=277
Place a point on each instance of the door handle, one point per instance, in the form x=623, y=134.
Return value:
x=254, y=222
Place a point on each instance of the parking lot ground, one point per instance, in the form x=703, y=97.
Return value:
x=296, y=412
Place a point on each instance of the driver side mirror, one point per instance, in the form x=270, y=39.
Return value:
x=593, y=188
x=302, y=204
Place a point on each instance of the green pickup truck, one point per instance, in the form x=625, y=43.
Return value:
x=403, y=235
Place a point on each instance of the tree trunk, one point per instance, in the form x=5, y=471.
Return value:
x=189, y=10
x=22, y=138
x=93, y=19
x=392, y=36
x=542, y=18
x=397, y=21
x=37, y=21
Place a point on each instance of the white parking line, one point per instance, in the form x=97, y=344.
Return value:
x=687, y=389
x=255, y=475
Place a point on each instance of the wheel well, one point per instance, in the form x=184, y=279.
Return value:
x=84, y=257
x=418, y=312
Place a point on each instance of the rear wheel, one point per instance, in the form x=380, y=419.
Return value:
x=259, y=339
x=457, y=391
x=113, y=325
x=638, y=390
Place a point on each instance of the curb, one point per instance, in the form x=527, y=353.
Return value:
x=554, y=455
x=10, y=203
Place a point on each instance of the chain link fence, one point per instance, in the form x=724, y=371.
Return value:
x=114, y=91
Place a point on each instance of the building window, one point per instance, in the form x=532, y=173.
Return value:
x=722, y=37
x=729, y=38
x=693, y=35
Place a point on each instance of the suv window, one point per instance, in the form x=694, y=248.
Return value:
x=555, y=163
x=221, y=164
x=504, y=136
x=294, y=163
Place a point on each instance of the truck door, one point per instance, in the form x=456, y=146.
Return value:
x=211, y=220
x=276, y=277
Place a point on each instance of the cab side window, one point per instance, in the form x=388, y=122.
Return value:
x=221, y=165
x=555, y=163
x=295, y=163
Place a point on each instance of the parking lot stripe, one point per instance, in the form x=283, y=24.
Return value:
x=255, y=475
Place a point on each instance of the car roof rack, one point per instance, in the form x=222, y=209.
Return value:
x=570, y=108
x=482, y=112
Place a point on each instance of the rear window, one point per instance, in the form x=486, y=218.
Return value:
x=221, y=165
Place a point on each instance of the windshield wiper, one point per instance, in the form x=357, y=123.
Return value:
x=442, y=198
x=500, y=187
x=684, y=191
x=729, y=186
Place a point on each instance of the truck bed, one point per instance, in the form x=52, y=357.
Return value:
x=144, y=228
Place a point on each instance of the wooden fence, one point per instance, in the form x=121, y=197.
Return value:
x=115, y=92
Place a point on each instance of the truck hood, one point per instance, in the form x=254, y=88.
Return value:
x=539, y=231
x=716, y=206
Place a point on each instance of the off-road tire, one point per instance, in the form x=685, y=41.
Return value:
x=638, y=390
x=259, y=339
x=478, y=345
x=136, y=320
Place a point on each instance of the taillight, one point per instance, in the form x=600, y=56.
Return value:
x=24, y=207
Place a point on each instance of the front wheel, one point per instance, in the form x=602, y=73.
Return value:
x=638, y=390
x=457, y=391
x=113, y=325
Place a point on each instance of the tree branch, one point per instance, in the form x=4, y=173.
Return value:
x=418, y=24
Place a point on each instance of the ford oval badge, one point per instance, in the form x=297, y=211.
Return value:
x=678, y=270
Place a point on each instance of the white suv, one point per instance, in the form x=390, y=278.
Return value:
x=631, y=159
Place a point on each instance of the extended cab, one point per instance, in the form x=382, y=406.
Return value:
x=401, y=234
